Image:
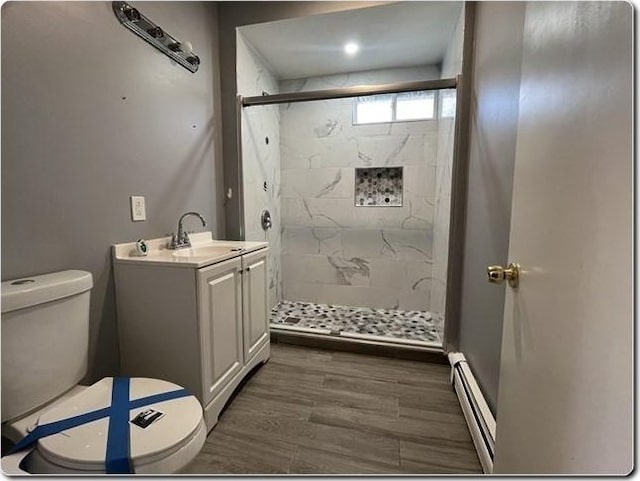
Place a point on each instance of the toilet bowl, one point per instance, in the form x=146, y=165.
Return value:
x=165, y=446
x=40, y=387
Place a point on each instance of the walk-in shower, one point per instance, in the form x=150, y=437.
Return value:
x=355, y=172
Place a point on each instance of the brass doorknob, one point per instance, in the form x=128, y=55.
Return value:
x=497, y=274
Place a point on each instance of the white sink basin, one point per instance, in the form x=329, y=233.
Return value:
x=203, y=251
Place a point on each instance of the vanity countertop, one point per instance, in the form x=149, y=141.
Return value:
x=204, y=251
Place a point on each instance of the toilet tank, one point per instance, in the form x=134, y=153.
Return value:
x=44, y=330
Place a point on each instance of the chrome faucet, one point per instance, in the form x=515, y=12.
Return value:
x=181, y=239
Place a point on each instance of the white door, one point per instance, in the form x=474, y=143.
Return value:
x=565, y=390
x=220, y=313
x=255, y=302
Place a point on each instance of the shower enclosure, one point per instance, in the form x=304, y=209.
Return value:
x=360, y=201
x=355, y=172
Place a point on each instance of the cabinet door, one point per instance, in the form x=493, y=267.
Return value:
x=255, y=310
x=220, y=312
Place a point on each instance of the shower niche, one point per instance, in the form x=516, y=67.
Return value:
x=378, y=187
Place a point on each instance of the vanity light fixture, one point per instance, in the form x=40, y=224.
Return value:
x=180, y=52
x=351, y=48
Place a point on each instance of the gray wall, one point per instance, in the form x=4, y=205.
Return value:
x=494, y=118
x=91, y=115
x=232, y=15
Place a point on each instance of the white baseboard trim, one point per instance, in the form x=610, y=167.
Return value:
x=480, y=420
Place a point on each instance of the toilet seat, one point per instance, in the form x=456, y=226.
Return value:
x=179, y=433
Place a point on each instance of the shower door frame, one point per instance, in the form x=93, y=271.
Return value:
x=348, y=92
x=460, y=167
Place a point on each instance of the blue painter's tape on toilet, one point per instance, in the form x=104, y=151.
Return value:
x=117, y=458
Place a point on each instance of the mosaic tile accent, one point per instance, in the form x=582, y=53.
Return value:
x=378, y=187
x=413, y=325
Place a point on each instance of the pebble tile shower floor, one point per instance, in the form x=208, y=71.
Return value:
x=411, y=325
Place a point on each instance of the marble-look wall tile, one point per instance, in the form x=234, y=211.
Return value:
x=325, y=183
x=407, y=244
x=312, y=212
x=388, y=273
x=370, y=77
x=334, y=251
x=316, y=240
x=397, y=244
x=398, y=274
x=357, y=296
x=419, y=181
x=261, y=160
x=416, y=213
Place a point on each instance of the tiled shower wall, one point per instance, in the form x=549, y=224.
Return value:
x=260, y=159
x=332, y=251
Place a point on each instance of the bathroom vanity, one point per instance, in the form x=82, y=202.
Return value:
x=196, y=316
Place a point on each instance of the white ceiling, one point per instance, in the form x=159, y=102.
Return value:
x=401, y=34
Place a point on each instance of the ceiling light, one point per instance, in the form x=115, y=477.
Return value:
x=351, y=48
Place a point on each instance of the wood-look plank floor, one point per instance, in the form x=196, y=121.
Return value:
x=310, y=411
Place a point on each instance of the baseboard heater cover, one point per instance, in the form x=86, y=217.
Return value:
x=480, y=420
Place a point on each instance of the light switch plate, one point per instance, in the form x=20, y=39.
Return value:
x=138, y=210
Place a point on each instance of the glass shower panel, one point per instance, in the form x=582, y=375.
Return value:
x=260, y=137
x=371, y=270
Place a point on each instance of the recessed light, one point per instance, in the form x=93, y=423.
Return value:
x=351, y=48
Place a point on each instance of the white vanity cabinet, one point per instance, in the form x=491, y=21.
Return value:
x=221, y=325
x=234, y=323
x=203, y=327
x=255, y=302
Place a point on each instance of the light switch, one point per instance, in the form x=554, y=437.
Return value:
x=138, y=211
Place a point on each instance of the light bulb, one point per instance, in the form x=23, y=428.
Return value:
x=351, y=48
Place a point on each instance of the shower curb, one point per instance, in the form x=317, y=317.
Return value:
x=411, y=353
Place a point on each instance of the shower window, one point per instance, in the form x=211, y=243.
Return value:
x=374, y=109
x=400, y=107
x=415, y=106
x=447, y=103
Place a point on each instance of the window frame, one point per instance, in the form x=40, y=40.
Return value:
x=437, y=109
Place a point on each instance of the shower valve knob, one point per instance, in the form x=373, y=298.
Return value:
x=265, y=220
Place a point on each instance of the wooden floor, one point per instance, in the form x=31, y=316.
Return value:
x=310, y=411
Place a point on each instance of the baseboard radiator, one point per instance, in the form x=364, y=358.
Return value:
x=480, y=420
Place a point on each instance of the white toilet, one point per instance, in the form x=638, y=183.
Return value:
x=45, y=339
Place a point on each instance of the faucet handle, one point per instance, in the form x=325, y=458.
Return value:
x=185, y=239
x=174, y=241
